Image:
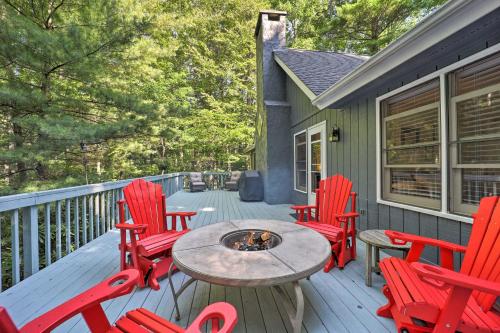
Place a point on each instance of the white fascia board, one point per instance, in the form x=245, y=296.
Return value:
x=295, y=78
x=450, y=18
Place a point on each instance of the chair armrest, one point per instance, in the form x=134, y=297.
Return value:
x=303, y=207
x=217, y=311
x=301, y=210
x=188, y=214
x=401, y=238
x=346, y=216
x=136, y=228
x=118, y=285
x=182, y=216
x=449, y=277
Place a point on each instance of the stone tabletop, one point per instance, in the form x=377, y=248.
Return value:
x=201, y=255
x=378, y=238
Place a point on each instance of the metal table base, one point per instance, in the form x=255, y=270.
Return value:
x=295, y=312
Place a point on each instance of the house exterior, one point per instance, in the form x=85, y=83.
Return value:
x=416, y=127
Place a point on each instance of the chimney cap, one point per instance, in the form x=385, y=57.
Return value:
x=269, y=12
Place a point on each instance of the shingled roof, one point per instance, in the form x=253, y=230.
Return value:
x=318, y=70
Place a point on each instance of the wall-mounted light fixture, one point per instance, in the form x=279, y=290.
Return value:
x=334, y=134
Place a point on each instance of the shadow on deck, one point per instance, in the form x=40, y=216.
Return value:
x=337, y=301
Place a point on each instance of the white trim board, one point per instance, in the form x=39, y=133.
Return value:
x=295, y=78
x=441, y=74
x=304, y=131
x=450, y=18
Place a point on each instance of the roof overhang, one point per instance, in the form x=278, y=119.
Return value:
x=447, y=20
x=295, y=78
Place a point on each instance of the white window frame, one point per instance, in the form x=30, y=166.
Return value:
x=441, y=74
x=316, y=128
x=295, y=161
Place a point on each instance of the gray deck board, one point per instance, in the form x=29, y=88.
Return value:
x=337, y=301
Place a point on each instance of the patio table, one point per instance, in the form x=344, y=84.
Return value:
x=378, y=240
x=202, y=255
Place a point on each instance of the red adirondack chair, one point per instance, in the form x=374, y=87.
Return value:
x=150, y=240
x=428, y=298
x=331, y=220
x=88, y=304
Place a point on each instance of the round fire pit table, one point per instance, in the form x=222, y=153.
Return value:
x=252, y=253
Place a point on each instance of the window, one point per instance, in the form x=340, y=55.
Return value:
x=474, y=133
x=300, y=163
x=411, y=171
x=438, y=139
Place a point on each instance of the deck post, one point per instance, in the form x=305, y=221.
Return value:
x=30, y=240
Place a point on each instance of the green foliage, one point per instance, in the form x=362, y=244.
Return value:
x=357, y=26
x=105, y=89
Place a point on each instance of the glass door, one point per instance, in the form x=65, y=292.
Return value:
x=316, y=168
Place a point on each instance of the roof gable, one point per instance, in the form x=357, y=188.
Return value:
x=316, y=70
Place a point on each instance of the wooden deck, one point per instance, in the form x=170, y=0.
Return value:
x=335, y=302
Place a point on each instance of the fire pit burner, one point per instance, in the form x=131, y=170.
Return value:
x=251, y=240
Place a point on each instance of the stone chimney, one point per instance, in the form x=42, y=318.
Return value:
x=272, y=137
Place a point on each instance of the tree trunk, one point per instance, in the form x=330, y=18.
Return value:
x=20, y=165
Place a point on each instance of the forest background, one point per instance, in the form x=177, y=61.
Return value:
x=98, y=90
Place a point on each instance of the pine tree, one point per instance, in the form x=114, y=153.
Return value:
x=60, y=87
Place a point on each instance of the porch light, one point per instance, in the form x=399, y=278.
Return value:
x=334, y=134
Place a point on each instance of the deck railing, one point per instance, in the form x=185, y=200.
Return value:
x=47, y=225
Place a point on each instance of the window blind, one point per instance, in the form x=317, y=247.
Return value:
x=411, y=146
x=475, y=138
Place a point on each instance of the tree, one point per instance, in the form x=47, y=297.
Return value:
x=358, y=26
x=56, y=61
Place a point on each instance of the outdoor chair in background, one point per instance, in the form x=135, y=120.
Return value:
x=88, y=304
x=150, y=242
x=196, y=182
x=233, y=181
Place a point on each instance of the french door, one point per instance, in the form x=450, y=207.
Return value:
x=316, y=157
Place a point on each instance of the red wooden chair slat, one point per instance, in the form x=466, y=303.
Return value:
x=150, y=240
x=443, y=299
x=135, y=321
x=332, y=197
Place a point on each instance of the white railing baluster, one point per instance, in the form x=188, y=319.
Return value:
x=108, y=211
x=58, y=231
x=30, y=240
x=68, y=226
x=16, y=264
x=48, y=254
x=84, y=219
x=103, y=214
x=97, y=215
x=77, y=224
x=91, y=217
x=113, y=210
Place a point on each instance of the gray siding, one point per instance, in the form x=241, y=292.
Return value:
x=354, y=156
